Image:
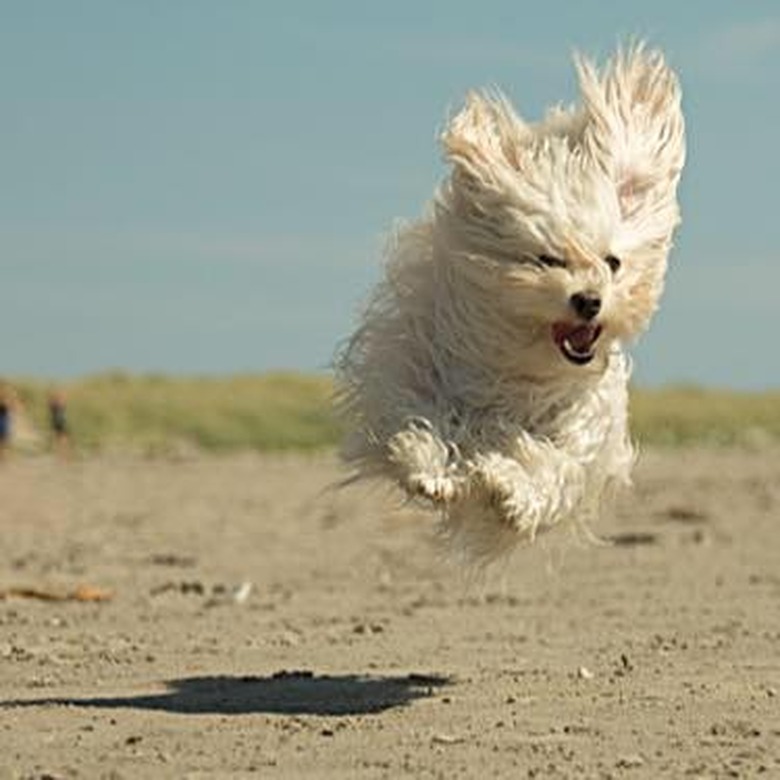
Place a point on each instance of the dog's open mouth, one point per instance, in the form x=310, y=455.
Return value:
x=577, y=342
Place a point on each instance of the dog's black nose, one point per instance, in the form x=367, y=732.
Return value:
x=586, y=304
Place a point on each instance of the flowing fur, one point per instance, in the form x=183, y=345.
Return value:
x=453, y=384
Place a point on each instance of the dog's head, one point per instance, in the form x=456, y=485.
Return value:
x=565, y=225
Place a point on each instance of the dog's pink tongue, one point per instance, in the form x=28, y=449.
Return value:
x=581, y=337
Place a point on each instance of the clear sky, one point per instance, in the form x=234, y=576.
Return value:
x=203, y=186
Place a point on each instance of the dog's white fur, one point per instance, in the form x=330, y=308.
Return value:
x=455, y=384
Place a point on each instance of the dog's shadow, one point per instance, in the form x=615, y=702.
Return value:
x=289, y=693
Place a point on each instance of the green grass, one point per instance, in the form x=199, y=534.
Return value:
x=291, y=411
x=155, y=413
x=694, y=415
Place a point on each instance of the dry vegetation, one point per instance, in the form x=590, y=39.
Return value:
x=155, y=413
x=293, y=411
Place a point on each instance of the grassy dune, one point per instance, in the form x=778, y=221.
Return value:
x=156, y=413
x=291, y=411
x=689, y=415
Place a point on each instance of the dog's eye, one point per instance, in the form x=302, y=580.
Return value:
x=613, y=263
x=551, y=262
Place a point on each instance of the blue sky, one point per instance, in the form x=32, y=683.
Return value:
x=203, y=187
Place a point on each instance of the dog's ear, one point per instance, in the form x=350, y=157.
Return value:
x=485, y=138
x=635, y=129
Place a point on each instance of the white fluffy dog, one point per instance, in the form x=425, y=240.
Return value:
x=488, y=374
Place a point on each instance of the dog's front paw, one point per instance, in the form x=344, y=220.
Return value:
x=500, y=497
x=438, y=489
x=503, y=486
x=425, y=466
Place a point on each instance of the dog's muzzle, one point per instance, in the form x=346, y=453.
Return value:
x=576, y=341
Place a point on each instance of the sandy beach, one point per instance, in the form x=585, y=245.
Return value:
x=238, y=617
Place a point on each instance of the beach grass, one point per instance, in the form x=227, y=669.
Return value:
x=282, y=411
x=157, y=413
x=696, y=415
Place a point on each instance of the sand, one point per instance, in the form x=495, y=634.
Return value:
x=255, y=623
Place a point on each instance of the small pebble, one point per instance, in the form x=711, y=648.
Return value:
x=446, y=739
x=626, y=762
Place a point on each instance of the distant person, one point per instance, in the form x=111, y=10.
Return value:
x=7, y=406
x=5, y=426
x=58, y=422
